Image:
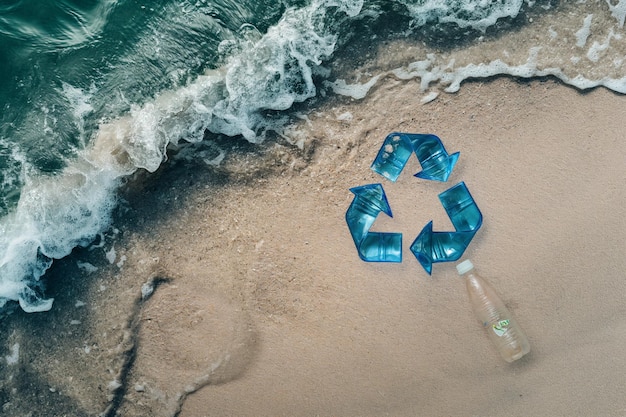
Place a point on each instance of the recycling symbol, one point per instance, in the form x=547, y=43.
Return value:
x=429, y=246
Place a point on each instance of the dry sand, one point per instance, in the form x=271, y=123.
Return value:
x=263, y=308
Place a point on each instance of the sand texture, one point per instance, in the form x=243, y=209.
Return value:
x=261, y=307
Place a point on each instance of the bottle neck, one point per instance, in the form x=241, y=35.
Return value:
x=474, y=282
x=469, y=274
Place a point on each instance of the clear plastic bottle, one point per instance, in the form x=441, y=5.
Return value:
x=503, y=330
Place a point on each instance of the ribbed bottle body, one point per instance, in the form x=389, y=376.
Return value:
x=499, y=323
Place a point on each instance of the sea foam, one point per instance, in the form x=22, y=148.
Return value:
x=478, y=15
x=60, y=212
x=266, y=73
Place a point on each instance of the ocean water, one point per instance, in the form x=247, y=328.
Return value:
x=92, y=91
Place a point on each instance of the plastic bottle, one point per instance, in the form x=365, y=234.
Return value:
x=503, y=330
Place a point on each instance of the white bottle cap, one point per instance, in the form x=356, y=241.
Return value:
x=464, y=267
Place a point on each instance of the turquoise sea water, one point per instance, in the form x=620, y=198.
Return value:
x=92, y=91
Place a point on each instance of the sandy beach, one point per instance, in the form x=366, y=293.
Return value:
x=255, y=302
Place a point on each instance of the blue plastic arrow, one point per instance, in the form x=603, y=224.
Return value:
x=430, y=247
x=397, y=148
x=369, y=200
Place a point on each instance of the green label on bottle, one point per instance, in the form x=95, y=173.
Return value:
x=501, y=327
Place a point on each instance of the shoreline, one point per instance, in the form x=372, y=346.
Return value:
x=263, y=307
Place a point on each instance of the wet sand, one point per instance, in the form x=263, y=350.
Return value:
x=261, y=307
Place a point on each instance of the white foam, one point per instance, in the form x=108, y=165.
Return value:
x=87, y=267
x=121, y=262
x=270, y=73
x=54, y=215
x=429, y=97
x=452, y=77
x=345, y=117
x=618, y=11
x=114, y=385
x=14, y=357
x=356, y=91
x=111, y=255
x=147, y=288
x=596, y=49
x=553, y=33
x=583, y=33
x=478, y=14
